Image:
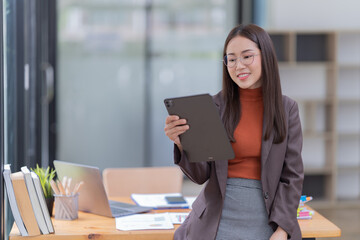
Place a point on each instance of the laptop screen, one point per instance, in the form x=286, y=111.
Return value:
x=92, y=195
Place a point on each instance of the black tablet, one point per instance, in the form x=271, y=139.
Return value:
x=206, y=139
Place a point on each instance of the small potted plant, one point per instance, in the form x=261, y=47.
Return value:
x=45, y=176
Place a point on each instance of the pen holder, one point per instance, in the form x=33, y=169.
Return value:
x=66, y=207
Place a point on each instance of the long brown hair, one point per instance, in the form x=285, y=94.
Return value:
x=271, y=88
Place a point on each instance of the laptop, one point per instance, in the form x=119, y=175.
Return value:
x=92, y=195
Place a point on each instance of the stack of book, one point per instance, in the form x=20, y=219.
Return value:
x=27, y=202
x=303, y=212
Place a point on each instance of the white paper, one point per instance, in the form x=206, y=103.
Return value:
x=157, y=201
x=190, y=201
x=178, y=217
x=144, y=222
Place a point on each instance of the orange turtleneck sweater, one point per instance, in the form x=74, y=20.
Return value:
x=248, y=135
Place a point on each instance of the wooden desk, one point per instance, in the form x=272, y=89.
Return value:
x=318, y=226
x=90, y=226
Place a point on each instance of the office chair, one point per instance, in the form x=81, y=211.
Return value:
x=122, y=182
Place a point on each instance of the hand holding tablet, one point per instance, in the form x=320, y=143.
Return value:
x=206, y=138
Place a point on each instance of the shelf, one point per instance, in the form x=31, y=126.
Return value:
x=348, y=152
x=281, y=43
x=321, y=71
x=348, y=49
x=350, y=66
x=323, y=64
x=348, y=118
x=348, y=84
x=315, y=186
x=297, y=83
x=317, y=170
x=352, y=101
x=347, y=169
x=313, y=134
x=325, y=101
x=321, y=204
x=346, y=203
x=344, y=180
x=312, y=47
x=349, y=135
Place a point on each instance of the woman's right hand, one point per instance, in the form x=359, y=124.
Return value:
x=174, y=126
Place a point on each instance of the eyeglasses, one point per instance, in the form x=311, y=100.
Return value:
x=231, y=61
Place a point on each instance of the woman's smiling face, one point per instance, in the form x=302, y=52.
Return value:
x=245, y=76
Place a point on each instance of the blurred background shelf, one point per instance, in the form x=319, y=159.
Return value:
x=321, y=71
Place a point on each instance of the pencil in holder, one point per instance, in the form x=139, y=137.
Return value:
x=66, y=206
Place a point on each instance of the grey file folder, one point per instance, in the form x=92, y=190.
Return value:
x=206, y=139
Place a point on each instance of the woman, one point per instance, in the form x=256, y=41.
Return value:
x=255, y=195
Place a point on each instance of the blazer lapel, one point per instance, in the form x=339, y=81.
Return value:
x=221, y=166
x=265, y=145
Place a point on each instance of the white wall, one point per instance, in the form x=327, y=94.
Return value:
x=313, y=14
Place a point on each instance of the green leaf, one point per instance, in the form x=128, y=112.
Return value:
x=45, y=176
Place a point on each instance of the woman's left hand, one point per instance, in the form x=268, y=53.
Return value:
x=279, y=234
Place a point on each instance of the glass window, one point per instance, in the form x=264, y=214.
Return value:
x=186, y=52
x=8, y=97
x=24, y=55
x=2, y=193
x=101, y=82
x=118, y=60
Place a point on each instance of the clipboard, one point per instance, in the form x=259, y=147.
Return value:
x=206, y=139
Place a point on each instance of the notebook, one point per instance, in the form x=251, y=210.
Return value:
x=92, y=195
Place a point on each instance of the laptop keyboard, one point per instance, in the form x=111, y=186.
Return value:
x=119, y=209
x=120, y=212
x=116, y=204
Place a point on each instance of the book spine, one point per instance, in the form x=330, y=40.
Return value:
x=24, y=203
x=35, y=201
x=42, y=201
x=13, y=205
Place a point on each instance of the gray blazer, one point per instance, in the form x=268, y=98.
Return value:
x=282, y=177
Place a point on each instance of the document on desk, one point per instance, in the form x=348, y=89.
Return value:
x=178, y=217
x=157, y=201
x=144, y=222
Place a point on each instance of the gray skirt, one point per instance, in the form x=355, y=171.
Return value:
x=244, y=215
